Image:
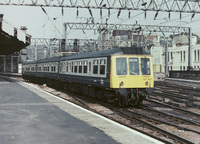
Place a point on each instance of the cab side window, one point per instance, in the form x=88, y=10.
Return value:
x=145, y=64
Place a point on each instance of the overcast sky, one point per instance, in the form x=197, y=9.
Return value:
x=41, y=25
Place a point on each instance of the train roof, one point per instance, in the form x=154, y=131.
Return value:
x=54, y=59
x=108, y=52
x=30, y=62
x=103, y=53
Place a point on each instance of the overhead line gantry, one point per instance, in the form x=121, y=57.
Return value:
x=182, y=6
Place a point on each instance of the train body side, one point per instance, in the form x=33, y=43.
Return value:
x=122, y=75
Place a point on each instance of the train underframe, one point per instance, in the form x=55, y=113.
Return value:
x=121, y=97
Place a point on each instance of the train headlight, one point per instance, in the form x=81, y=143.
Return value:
x=121, y=84
x=146, y=83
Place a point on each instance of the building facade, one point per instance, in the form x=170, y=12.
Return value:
x=177, y=54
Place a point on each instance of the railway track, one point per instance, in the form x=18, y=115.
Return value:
x=171, y=117
x=139, y=118
x=185, y=111
x=190, y=96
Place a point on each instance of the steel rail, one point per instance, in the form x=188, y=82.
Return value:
x=191, y=121
x=162, y=121
x=160, y=130
x=174, y=107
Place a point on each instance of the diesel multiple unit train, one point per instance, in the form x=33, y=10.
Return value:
x=120, y=75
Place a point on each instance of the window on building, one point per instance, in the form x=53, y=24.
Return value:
x=171, y=55
x=168, y=56
x=180, y=68
x=198, y=55
x=183, y=55
x=195, y=58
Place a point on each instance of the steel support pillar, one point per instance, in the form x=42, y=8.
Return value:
x=4, y=64
x=189, y=50
x=11, y=64
x=166, y=60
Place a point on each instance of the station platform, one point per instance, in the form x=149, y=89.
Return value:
x=11, y=74
x=29, y=115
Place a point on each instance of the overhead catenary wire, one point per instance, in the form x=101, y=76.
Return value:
x=51, y=21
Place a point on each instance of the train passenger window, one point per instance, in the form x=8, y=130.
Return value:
x=89, y=70
x=80, y=67
x=67, y=69
x=134, y=66
x=85, y=67
x=145, y=64
x=121, y=66
x=95, y=69
x=75, y=67
x=72, y=70
x=61, y=67
x=95, y=66
x=102, y=67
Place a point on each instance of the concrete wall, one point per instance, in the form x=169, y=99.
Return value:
x=9, y=63
x=8, y=28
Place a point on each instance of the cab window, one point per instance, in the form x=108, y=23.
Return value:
x=134, y=66
x=121, y=66
x=145, y=64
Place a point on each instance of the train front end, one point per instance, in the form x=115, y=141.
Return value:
x=132, y=78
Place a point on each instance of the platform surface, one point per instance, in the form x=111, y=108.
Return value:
x=31, y=116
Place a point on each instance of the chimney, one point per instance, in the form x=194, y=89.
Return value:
x=24, y=28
